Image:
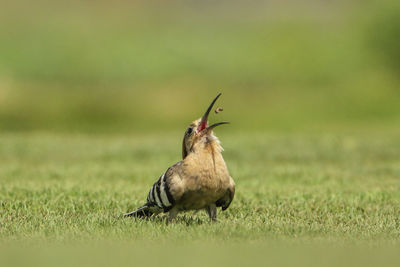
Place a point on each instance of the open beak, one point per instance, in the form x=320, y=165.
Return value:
x=209, y=128
x=204, y=120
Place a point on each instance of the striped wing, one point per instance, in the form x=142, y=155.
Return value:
x=160, y=196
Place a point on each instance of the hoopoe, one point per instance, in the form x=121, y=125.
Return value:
x=199, y=181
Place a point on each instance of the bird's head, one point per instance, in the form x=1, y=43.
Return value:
x=199, y=133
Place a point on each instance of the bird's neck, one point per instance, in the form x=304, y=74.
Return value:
x=207, y=154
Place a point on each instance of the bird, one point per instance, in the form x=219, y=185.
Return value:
x=200, y=181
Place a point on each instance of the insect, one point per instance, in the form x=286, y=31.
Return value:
x=218, y=110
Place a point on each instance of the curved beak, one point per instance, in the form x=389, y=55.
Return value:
x=209, y=128
x=203, y=125
x=204, y=120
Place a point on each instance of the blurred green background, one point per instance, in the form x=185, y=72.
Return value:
x=141, y=66
x=95, y=97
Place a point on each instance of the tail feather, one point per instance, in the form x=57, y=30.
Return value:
x=143, y=211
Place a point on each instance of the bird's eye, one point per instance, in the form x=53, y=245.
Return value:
x=189, y=130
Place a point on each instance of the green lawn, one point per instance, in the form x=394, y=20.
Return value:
x=94, y=97
x=297, y=187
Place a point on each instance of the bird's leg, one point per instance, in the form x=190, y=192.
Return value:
x=172, y=215
x=212, y=212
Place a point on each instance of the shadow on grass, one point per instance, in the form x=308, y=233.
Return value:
x=185, y=219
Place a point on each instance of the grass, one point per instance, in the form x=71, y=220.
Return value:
x=289, y=187
x=91, y=94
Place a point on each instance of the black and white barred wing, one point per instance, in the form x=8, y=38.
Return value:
x=162, y=195
x=160, y=198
